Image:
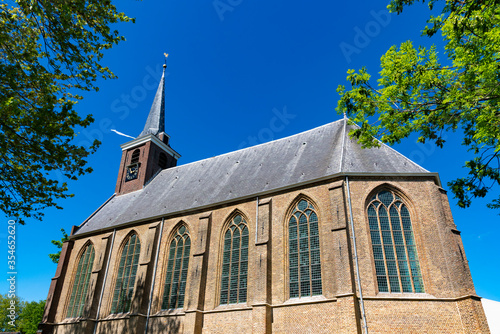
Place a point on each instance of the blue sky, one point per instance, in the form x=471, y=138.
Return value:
x=235, y=68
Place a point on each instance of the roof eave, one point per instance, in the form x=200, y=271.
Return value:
x=149, y=137
x=260, y=194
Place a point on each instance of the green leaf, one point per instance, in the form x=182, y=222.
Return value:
x=49, y=50
x=416, y=94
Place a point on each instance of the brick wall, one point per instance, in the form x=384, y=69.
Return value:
x=449, y=304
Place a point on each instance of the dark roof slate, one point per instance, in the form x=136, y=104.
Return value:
x=155, y=123
x=305, y=157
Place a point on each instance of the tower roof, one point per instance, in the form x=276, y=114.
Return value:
x=155, y=123
x=318, y=154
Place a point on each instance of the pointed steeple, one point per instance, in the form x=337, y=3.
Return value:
x=145, y=156
x=155, y=124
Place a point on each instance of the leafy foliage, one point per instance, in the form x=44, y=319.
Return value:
x=23, y=315
x=31, y=316
x=8, y=318
x=48, y=49
x=58, y=243
x=416, y=93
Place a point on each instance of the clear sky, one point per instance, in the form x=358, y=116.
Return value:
x=235, y=67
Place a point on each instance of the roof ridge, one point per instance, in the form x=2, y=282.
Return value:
x=97, y=210
x=253, y=147
x=399, y=153
x=262, y=169
x=341, y=167
x=404, y=156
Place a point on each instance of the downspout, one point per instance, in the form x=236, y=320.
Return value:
x=104, y=281
x=256, y=218
x=358, y=276
x=154, y=276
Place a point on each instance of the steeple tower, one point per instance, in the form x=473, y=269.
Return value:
x=144, y=157
x=155, y=123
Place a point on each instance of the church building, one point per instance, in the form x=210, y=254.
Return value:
x=306, y=234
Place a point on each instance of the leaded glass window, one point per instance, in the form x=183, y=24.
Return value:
x=304, y=255
x=81, y=283
x=394, y=250
x=235, y=263
x=177, y=269
x=125, y=280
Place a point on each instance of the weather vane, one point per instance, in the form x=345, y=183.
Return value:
x=166, y=56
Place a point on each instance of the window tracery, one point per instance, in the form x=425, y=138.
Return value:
x=304, y=252
x=395, y=252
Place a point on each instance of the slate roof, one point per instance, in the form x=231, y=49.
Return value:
x=303, y=158
x=155, y=123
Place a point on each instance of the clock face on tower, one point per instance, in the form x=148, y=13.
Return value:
x=132, y=172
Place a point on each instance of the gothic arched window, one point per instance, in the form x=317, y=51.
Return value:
x=235, y=263
x=81, y=283
x=177, y=269
x=125, y=279
x=394, y=250
x=304, y=257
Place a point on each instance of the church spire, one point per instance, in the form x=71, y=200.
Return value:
x=155, y=123
x=145, y=156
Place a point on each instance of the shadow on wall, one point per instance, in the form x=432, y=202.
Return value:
x=117, y=326
x=167, y=323
x=132, y=325
x=170, y=325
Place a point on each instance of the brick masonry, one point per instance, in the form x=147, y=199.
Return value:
x=449, y=304
x=148, y=165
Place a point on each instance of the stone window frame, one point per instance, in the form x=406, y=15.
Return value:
x=168, y=245
x=408, y=204
x=227, y=225
x=286, y=244
x=76, y=271
x=135, y=258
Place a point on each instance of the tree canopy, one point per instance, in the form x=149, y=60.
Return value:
x=49, y=51
x=59, y=243
x=20, y=316
x=419, y=93
x=31, y=316
x=10, y=309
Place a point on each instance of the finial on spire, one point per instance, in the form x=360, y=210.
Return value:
x=155, y=124
x=345, y=116
x=166, y=56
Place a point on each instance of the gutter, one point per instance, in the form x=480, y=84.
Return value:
x=252, y=197
x=256, y=218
